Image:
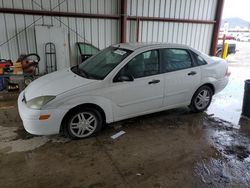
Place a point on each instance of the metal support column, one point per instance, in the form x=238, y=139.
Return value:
x=219, y=10
x=137, y=29
x=123, y=22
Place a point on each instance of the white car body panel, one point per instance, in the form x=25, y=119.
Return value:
x=141, y=96
x=63, y=80
x=118, y=100
x=179, y=87
x=35, y=126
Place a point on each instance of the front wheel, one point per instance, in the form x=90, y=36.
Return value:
x=201, y=99
x=82, y=123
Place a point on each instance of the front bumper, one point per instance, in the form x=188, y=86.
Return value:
x=33, y=125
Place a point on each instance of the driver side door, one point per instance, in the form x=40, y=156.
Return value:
x=144, y=93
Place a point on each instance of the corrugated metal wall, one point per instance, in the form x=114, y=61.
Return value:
x=99, y=32
x=198, y=36
x=103, y=32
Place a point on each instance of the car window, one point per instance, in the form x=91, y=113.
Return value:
x=144, y=64
x=199, y=59
x=86, y=48
x=175, y=59
x=100, y=65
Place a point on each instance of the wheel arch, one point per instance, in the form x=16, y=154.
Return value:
x=205, y=84
x=81, y=106
x=209, y=85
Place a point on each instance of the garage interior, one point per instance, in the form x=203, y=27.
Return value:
x=174, y=148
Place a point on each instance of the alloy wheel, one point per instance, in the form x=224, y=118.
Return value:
x=83, y=124
x=202, y=99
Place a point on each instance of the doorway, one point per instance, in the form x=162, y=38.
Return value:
x=57, y=36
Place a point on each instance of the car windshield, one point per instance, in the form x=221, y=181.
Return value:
x=100, y=65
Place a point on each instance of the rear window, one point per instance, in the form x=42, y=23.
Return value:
x=199, y=60
x=176, y=59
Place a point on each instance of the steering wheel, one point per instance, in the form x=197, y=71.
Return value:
x=30, y=57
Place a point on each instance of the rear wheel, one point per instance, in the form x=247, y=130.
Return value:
x=82, y=123
x=201, y=99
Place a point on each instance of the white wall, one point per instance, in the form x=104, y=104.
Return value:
x=99, y=32
x=198, y=36
x=104, y=32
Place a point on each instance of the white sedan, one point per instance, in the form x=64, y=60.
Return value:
x=121, y=82
x=244, y=38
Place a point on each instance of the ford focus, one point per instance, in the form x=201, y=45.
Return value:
x=121, y=82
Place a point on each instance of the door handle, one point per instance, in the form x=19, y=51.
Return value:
x=154, y=82
x=192, y=73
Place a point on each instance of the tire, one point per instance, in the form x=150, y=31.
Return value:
x=201, y=99
x=28, y=80
x=82, y=123
x=218, y=54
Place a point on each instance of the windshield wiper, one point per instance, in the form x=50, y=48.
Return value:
x=80, y=72
x=83, y=73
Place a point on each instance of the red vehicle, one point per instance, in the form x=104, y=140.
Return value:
x=227, y=37
x=5, y=63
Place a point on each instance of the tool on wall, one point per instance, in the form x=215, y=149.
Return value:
x=50, y=57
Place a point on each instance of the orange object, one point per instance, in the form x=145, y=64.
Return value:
x=44, y=117
x=1, y=70
x=17, y=68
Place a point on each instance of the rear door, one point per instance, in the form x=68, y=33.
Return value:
x=181, y=76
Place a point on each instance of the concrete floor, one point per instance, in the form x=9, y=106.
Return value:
x=174, y=148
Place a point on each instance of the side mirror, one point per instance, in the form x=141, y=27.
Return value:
x=123, y=76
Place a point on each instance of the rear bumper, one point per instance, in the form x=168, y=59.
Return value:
x=33, y=125
x=219, y=85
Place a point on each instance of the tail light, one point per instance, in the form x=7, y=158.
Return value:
x=228, y=73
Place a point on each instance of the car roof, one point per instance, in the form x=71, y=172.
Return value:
x=141, y=45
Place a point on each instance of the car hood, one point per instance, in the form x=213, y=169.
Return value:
x=55, y=83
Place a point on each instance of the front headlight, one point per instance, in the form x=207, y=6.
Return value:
x=38, y=102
